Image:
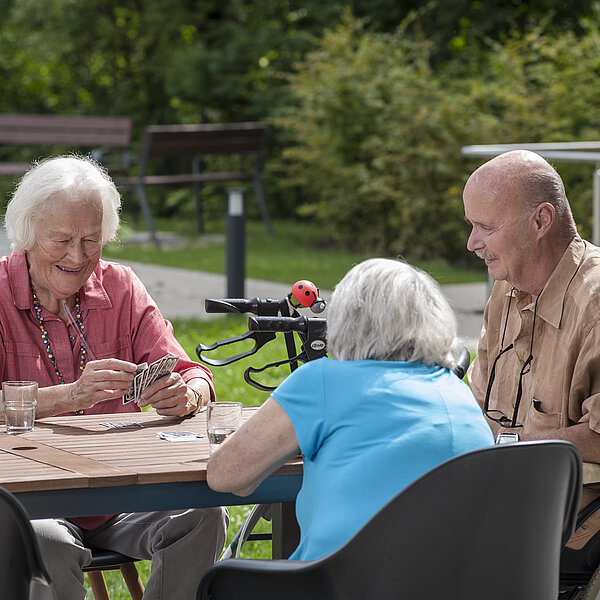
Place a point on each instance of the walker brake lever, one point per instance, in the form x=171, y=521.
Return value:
x=265, y=388
x=260, y=338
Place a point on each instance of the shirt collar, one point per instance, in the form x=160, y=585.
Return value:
x=93, y=294
x=552, y=298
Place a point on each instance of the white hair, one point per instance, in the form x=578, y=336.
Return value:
x=385, y=309
x=72, y=178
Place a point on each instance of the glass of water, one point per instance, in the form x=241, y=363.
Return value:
x=19, y=399
x=222, y=420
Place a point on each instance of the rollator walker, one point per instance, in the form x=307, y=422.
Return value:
x=269, y=317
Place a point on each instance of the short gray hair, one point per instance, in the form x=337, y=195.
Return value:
x=74, y=177
x=531, y=180
x=385, y=309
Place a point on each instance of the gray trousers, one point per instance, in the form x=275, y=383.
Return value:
x=181, y=544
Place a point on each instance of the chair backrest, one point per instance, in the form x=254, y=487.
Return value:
x=488, y=524
x=20, y=557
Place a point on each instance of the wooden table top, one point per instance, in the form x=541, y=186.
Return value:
x=79, y=452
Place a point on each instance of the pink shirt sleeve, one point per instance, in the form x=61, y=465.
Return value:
x=153, y=337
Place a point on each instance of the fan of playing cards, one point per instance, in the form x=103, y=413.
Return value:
x=146, y=374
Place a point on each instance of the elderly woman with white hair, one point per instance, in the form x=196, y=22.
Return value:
x=383, y=410
x=78, y=326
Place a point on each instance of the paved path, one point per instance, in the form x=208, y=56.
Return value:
x=180, y=293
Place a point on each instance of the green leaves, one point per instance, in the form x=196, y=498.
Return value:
x=380, y=121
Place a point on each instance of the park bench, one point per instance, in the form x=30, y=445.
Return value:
x=196, y=142
x=106, y=138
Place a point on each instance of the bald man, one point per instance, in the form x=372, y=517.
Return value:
x=537, y=373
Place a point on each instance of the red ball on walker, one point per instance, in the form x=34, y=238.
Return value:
x=305, y=292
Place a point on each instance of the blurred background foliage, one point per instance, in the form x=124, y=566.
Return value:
x=369, y=101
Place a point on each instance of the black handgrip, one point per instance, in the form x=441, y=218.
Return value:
x=257, y=306
x=283, y=324
x=464, y=360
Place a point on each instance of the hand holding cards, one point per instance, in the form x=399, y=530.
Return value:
x=147, y=374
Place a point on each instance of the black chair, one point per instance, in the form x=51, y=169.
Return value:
x=20, y=558
x=485, y=525
x=106, y=560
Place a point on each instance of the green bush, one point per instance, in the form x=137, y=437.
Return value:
x=379, y=131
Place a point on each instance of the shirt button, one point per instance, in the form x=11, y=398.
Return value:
x=71, y=337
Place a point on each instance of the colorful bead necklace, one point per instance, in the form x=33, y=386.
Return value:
x=46, y=338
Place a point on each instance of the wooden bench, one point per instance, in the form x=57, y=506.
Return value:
x=197, y=142
x=99, y=135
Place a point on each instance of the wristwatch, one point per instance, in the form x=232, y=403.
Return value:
x=507, y=438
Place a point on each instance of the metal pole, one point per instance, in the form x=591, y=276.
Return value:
x=236, y=243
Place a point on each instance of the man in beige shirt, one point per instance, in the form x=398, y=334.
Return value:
x=537, y=373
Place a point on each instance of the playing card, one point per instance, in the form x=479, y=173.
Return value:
x=131, y=395
x=179, y=436
x=120, y=425
x=146, y=374
x=162, y=367
x=152, y=371
x=166, y=366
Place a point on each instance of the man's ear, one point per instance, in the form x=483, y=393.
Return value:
x=544, y=217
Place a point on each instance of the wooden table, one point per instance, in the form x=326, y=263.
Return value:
x=75, y=466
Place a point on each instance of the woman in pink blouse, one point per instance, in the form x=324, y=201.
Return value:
x=79, y=325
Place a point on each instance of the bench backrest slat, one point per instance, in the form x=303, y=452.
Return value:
x=21, y=129
x=189, y=140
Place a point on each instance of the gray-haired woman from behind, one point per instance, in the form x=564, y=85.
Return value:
x=383, y=410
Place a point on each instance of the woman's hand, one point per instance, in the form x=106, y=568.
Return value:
x=171, y=396
x=101, y=380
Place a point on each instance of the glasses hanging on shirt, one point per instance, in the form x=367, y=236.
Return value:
x=497, y=415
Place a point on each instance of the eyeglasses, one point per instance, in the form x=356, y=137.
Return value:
x=497, y=415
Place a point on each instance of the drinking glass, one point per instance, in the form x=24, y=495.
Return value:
x=223, y=419
x=19, y=399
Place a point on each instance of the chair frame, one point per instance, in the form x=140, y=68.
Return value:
x=105, y=560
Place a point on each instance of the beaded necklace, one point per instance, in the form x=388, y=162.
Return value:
x=46, y=338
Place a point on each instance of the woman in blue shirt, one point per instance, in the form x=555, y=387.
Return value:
x=382, y=411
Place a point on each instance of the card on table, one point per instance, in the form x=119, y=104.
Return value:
x=146, y=374
x=179, y=436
